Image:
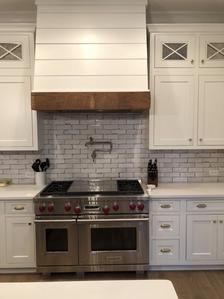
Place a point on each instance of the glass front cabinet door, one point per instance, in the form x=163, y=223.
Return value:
x=212, y=51
x=14, y=51
x=174, y=50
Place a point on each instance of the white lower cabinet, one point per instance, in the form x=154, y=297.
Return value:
x=205, y=238
x=186, y=233
x=17, y=242
x=165, y=232
x=20, y=249
x=2, y=233
x=220, y=249
x=201, y=237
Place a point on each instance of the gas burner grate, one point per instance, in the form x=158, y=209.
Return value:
x=129, y=186
x=56, y=187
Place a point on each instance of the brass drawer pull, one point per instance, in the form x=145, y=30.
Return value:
x=165, y=225
x=19, y=208
x=221, y=221
x=165, y=250
x=201, y=206
x=165, y=206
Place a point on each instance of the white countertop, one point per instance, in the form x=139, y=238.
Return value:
x=19, y=191
x=188, y=190
x=109, y=289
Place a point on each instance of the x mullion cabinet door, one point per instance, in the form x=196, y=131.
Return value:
x=212, y=51
x=173, y=50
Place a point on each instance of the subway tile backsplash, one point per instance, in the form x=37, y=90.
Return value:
x=63, y=141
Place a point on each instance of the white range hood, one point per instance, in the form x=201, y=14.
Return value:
x=94, y=47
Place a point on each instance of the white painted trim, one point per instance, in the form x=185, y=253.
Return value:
x=186, y=267
x=203, y=27
x=14, y=27
x=18, y=270
x=91, y=2
x=156, y=17
x=18, y=16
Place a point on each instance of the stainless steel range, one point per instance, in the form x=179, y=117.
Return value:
x=92, y=226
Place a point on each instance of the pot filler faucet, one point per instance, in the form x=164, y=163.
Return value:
x=95, y=151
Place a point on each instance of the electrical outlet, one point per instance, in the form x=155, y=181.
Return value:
x=213, y=172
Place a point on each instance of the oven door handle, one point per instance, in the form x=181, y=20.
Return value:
x=112, y=220
x=55, y=221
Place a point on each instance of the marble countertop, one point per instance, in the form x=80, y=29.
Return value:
x=109, y=289
x=19, y=192
x=188, y=190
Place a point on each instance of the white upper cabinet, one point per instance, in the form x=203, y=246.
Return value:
x=15, y=113
x=187, y=87
x=212, y=51
x=173, y=110
x=18, y=123
x=174, y=50
x=211, y=111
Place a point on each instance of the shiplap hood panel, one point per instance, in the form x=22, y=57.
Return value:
x=90, y=46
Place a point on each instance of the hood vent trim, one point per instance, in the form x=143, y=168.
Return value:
x=91, y=101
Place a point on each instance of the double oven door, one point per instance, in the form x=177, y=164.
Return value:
x=113, y=241
x=57, y=242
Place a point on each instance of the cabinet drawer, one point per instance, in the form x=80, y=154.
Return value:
x=165, y=252
x=165, y=206
x=205, y=206
x=165, y=226
x=19, y=208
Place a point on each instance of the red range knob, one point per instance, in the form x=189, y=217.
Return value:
x=132, y=206
x=50, y=207
x=115, y=206
x=106, y=210
x=42, y=207
x=67, y=206
x=77, y=209
x=140, y=206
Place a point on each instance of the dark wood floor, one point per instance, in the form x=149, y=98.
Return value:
x=188, y=284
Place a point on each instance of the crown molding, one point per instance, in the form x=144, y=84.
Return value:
x=157, y=17
x=203, y=27
x=21, y=27
x=18, y=16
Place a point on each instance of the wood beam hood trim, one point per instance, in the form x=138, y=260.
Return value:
x=91, y=101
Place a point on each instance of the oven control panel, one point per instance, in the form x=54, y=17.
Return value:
x=91, y=206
